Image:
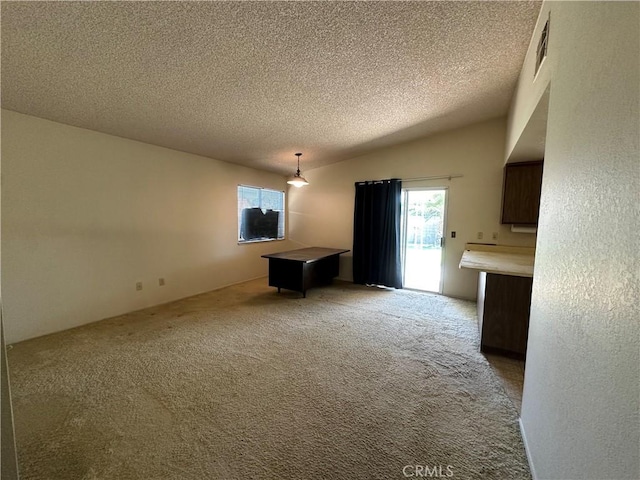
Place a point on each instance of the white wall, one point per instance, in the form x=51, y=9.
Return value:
x=531, y=85
x=87, y=215
x=580, y=410
x=322, y=213
x=8, y=458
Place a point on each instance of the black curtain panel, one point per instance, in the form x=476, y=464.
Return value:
x=376, y=233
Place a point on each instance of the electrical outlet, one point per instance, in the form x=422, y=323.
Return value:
x=138, y=286
x=495, y=235
x=161, y=282
x=453, y=234
x=480, y=235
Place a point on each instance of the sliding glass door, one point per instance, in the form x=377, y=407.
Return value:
x=423, y=228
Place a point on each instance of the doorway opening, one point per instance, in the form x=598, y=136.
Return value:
x=423, y=227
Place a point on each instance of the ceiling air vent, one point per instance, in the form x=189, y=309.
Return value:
x=541, y=52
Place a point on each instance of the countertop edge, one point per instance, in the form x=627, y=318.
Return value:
x=521, y=271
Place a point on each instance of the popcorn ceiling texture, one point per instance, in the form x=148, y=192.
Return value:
x=254, y=82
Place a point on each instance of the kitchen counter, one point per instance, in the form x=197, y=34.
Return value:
x=499, y=259
x=505, y=280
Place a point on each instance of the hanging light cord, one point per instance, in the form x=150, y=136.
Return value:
x=298, y=171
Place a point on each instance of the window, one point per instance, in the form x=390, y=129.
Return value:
x=260, y=214
x=541, y=51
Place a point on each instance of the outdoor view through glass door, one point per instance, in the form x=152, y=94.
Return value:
x=423, y=238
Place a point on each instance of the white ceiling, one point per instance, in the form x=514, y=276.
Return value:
x=254, y=82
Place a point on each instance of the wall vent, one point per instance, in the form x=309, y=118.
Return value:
x=541, y=52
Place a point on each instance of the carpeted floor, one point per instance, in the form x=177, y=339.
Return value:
x=244, y=383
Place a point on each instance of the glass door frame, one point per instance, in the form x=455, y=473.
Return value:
x=403, y=232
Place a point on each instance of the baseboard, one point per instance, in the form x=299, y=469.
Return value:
x=526, y=449
x=142, y=308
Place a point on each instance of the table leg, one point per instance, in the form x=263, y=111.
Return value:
x=278, y=289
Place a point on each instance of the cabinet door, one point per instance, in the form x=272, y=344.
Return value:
x=521, y=193
x=505, y=323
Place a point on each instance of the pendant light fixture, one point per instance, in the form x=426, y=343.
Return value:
x=297, y=180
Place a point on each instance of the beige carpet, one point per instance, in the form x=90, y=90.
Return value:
x=242, y=383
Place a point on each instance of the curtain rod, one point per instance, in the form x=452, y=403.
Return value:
x=415, y=179
x=437, y=177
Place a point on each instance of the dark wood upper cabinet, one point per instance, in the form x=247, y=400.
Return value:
x=521, y=193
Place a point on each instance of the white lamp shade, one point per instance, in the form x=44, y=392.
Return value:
x=297, y=181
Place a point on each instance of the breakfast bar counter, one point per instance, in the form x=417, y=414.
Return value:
x=500, y=259
x=505, y=280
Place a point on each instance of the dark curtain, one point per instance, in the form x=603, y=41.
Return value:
x=376, y=233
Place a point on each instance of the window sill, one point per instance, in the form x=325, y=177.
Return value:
x=261, y=240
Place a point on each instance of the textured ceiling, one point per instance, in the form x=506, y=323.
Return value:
x=254, y=82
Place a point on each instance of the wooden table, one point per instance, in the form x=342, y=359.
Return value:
x=302, y=269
